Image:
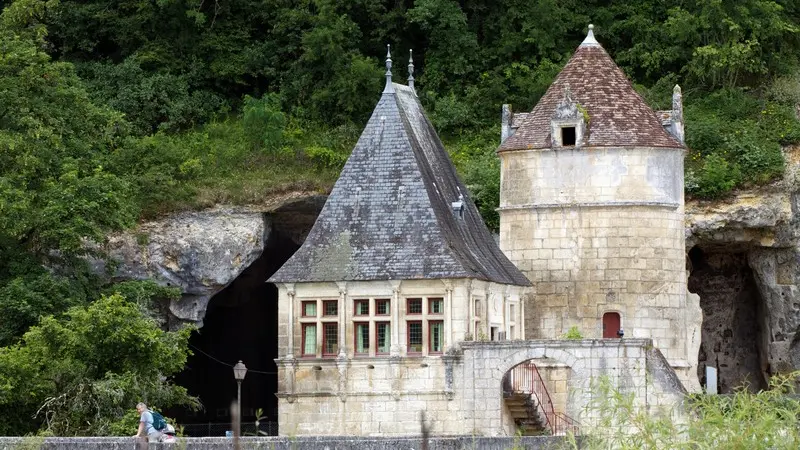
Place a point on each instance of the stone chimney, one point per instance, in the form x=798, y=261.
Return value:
x=505, y=129
x=676, y=119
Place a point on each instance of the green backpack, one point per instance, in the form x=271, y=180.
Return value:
x=158, y=421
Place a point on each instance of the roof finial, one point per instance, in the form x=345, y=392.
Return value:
x=590, y=41
x=389, y=88
x=411, y=69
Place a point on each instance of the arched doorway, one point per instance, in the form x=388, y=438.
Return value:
x=532, y=395
x=611, y=325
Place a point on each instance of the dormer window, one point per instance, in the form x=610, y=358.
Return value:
x=568, y=136
x=568, y=122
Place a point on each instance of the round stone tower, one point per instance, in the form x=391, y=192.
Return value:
x=592, y=211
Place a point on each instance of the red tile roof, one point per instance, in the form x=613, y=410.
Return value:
x=618, y=116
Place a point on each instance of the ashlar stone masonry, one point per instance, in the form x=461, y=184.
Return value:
x=597, y=224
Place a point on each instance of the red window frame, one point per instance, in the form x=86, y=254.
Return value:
x=355, y=307
x=355, y=338
x=389, y=337
x=408, y=337
x=325, y=327
x=303, y=307
x=430, y=337
x=303, y=341
x=408, y=306
x=325, y=304
x=430, y=303
x=382, y=301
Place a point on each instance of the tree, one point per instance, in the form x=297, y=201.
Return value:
x=80, y=374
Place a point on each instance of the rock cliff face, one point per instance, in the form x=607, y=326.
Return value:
x=744, y=257
x=203, y=252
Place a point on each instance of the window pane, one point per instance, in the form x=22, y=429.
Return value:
x=384, y=337
x=414, y=306
x=435, y=306
x=309, y=309
x=330, y=307
x=362, y=338
x=382, y=307
x=436, y=330
x=362, y=308
x=309, y=339
x=477, y=307
x=330, y=344
x=414, y=337
x=511, y=312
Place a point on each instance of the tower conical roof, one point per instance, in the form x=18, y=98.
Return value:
x=390, y=215
x=618, y=116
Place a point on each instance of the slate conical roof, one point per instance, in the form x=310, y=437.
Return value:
x=618, y=116
x=389, y=216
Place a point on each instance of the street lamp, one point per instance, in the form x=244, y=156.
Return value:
x=239, y=371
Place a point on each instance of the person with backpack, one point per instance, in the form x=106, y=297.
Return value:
x=151, y=424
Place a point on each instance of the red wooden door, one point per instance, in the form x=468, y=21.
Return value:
x=610, y=325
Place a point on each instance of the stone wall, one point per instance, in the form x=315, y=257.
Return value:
x=630, y=365
x=602, y=230
x=461, y=392
x=298, y=443
x=356, y=394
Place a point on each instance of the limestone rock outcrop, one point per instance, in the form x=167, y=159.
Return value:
x=202, y=252
x=198, y=252
x=744, y=256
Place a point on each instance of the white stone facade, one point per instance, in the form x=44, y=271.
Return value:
x=317, y=381
x=461, y=392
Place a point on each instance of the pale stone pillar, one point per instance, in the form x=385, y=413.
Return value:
x=342, y=318
x=290, y=293
x=469, y=309
x=395, y=324
x=448, y=314
x=506, y=318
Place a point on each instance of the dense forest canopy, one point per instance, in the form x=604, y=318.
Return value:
x=115, y=110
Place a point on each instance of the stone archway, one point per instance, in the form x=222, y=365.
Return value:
x=632, y=365
x=536, y=397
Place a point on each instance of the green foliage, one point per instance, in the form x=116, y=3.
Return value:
x=151, y=101
x=735, y=139
x=81, y=374
x=147, y=294
x=264, y=122
x=54, y=189
x=479, y=167
x=715, y=178
x=572, y=334
x=744, y=420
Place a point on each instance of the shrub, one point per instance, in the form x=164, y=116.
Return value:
x=264, y=122
x=716, y=177
x=743, y=420
x=572, y=334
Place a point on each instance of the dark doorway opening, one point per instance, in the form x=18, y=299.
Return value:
x=240, y=324
x=732, y=317
x=611, y=325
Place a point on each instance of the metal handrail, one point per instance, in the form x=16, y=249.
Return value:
x=525, y=378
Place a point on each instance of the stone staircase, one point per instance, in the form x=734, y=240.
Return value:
x=529, y=403
x=526, y=415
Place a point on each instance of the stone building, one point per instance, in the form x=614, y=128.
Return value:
x=399, y=301
x=397, y=269
x=592, y=211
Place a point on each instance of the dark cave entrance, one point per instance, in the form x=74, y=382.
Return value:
x=732, y=317
x=241, y=323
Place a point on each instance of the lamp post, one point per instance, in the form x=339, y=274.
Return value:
x=239, y=371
